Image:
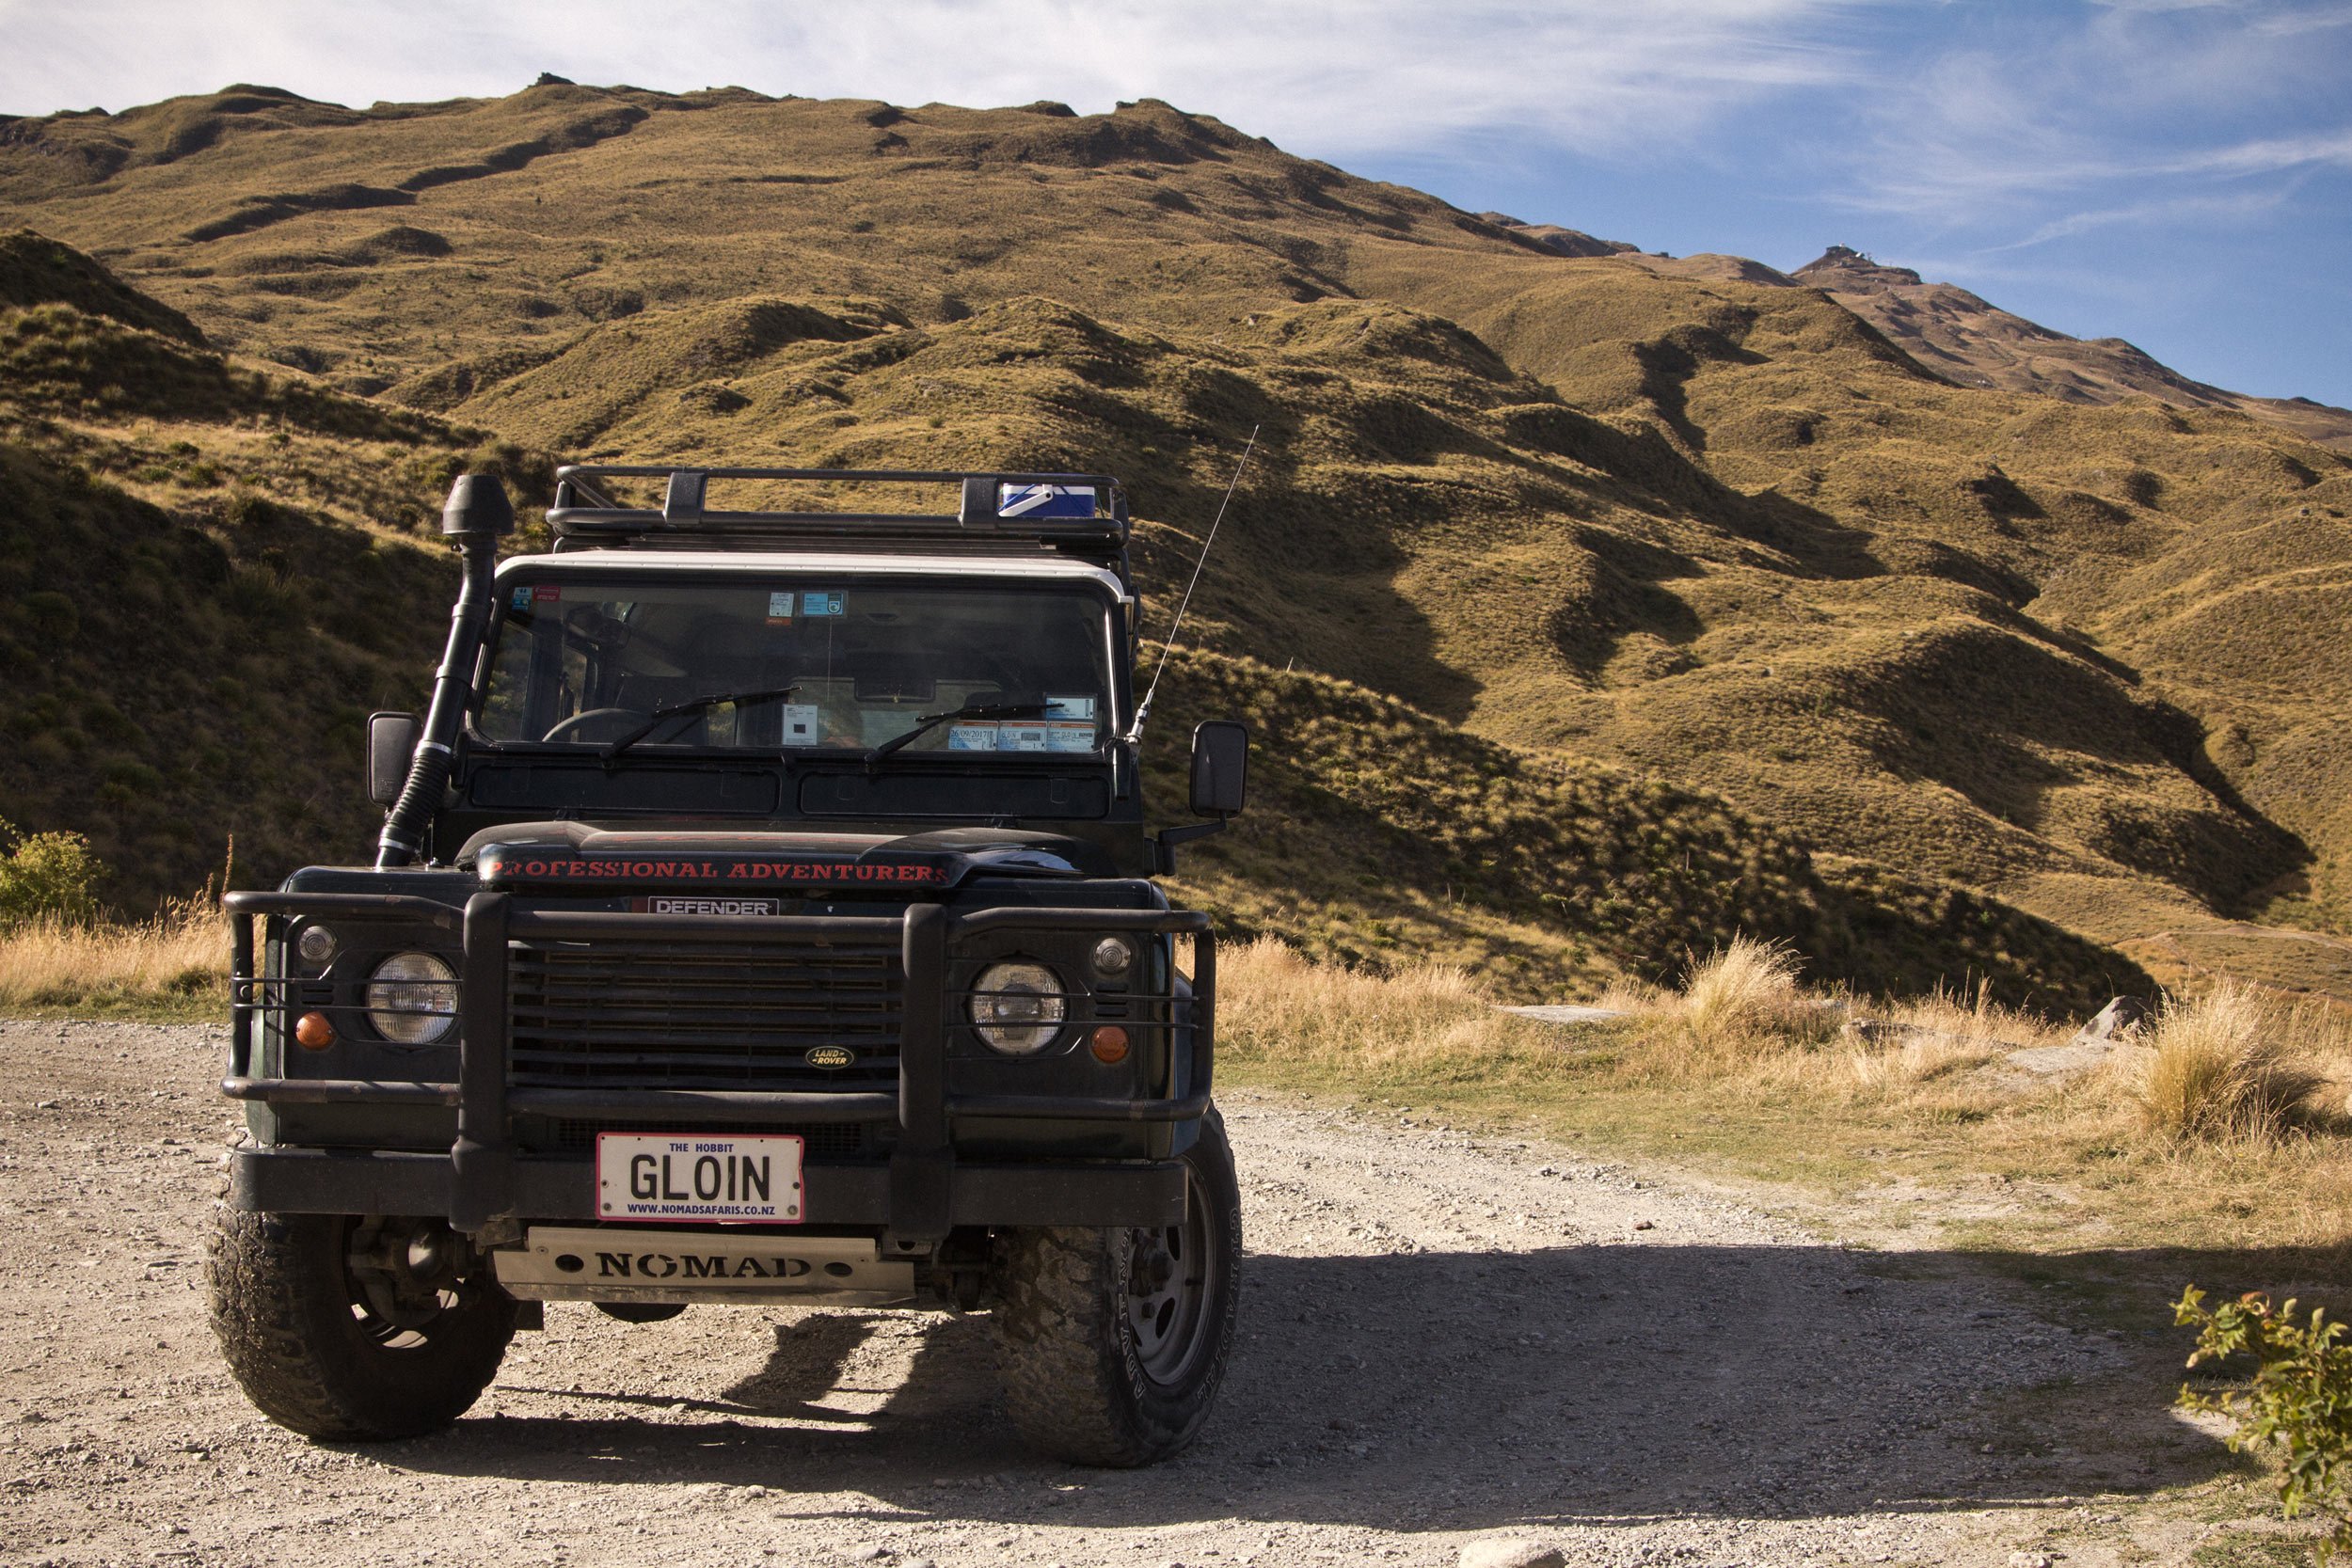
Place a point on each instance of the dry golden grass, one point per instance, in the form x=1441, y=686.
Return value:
x=1909, y=1098
x=1750, y=993
x=1940, y=1036
x=1276, y=1004
x=1379, y=837
x=2224, y=1065
x=173, y=966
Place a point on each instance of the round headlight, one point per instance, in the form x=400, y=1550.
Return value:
x=316, y=945
x=1017, y=1008
x=1112, y=957
x=412, y=998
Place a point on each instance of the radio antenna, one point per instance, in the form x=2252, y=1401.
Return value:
x=1168, y=645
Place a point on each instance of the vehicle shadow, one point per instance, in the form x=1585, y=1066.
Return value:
x=1467, y=1390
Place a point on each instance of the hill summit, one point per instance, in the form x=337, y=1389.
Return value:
x=1956, y=334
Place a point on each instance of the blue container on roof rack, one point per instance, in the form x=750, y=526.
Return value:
x=1045, y=500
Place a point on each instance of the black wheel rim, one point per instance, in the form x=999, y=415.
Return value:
x=373, y=1323
x=1174, y=1276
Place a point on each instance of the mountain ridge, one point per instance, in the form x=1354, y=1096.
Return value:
x=1964, y=337
x=1960, y=335
x=1719, y=532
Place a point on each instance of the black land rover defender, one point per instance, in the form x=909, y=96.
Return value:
x=762, y=914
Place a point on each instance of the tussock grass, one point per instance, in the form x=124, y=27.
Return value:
x=1750, y=993
x=172, y=967
x=1380, y=837
x=2223, y=1065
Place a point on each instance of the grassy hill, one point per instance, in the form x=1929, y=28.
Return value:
x=1378, y=833
x=2007, y=658
x=209, y=576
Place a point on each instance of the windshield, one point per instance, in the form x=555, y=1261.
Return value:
x=584, y=663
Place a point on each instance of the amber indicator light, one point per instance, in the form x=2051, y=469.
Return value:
x=1110, y=1044
x=314, y=1032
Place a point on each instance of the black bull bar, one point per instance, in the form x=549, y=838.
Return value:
x=484, y=1181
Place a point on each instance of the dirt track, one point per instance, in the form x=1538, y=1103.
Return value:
x=1445, y=1339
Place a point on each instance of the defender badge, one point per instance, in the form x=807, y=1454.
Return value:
x=830, y=1056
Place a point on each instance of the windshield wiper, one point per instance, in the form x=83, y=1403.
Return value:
x=660, y=716
x=929, y=721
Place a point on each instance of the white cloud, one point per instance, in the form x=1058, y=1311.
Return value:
x=2120, y=114
x=2268, y=156
x=2292, y=22
x=1332, y=79
x=2180, y=212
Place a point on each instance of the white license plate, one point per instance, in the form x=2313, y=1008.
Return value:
x=685, y=1176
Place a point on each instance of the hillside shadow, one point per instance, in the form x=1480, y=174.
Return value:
x=1640, y=468
x=1470, y=1390
x=1669, y=364
x=1283, y=526
x=1999, y=716
x=1626, y=594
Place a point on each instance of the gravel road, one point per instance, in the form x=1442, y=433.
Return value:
x=1449, y=1340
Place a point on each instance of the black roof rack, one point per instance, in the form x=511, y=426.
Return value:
x=996, y=514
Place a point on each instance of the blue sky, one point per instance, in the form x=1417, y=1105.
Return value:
x=2176, y=172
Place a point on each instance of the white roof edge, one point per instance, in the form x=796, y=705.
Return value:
x=803, y=561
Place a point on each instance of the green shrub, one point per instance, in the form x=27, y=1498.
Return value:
x=51, y=876
x=2301, y=1398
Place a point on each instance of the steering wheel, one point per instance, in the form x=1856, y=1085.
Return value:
x=562, y=728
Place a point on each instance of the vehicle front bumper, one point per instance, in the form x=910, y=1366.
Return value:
x=485, y=1183
x=362, y=1181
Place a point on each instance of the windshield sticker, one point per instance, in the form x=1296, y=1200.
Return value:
x=545, y=592
x=972, y=737
x=779, y=607
x=1070, y=737
x=822, y=601
x=800, y=725
x=522, y=599
x=1069, y=708
x=1021, y=737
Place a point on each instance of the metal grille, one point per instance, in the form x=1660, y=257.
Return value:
x=643, y=1014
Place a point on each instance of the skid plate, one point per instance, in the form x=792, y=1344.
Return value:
x=562, y=1263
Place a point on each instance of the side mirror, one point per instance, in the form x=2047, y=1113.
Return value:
x=1220, y=768
x=391, y=742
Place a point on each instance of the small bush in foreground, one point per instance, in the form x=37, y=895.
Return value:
x=2220, y=1069
x=46, y=876
x=2301, y=1398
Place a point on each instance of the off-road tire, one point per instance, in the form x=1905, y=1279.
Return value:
x=1067, y=1347
x=283, y=1311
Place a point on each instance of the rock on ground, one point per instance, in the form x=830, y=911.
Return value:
x=1509, y=1552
